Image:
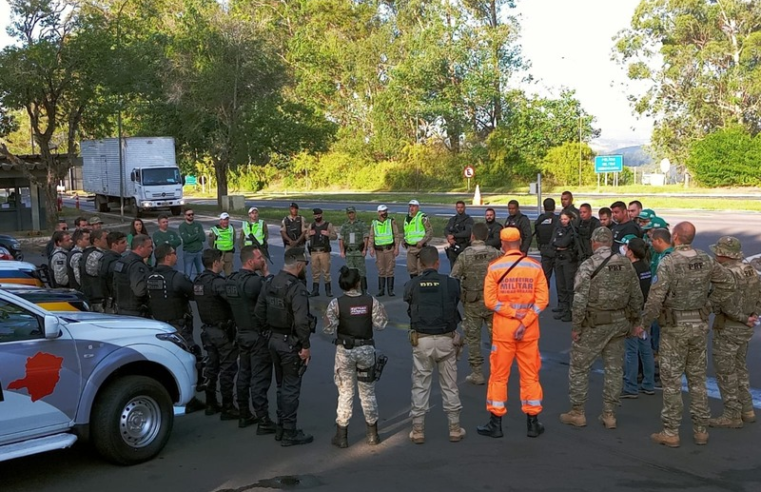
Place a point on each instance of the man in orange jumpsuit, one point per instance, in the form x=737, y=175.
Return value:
x=516, y=290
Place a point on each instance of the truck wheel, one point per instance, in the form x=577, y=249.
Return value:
x=135, y=209
x=176, y=210
x=101, y=203
x=131, y=420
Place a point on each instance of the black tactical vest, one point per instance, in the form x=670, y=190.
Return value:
x=106, y=273
x=73, y=284
x=92, y=285
x=432, y=310
x=545, y=225
x=125, y=298
x=212, y=308
x=166, y=303
x=318, y=242
x=279, y=312
x=355, y=316
x=293, y=228
x=241, y=303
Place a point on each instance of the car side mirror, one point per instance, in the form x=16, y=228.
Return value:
x=52, y=330
x=132, y=176
x=183, y=179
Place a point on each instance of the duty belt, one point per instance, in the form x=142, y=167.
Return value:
x=281, y=331
x=319, y=249
x=352, y=249
x=449, y=334
x=383, y=247
x=413, y=245
x=357, y=342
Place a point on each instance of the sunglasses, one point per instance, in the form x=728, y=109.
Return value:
x=189, y=215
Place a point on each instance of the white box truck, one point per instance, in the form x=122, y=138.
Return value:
x=151, y=178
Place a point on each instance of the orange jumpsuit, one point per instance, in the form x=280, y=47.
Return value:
x=519, y=298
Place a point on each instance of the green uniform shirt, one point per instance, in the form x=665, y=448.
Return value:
x=169, y=237
x=192, y=237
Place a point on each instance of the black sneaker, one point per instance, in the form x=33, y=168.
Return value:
x=647, y=392
x=629, y=396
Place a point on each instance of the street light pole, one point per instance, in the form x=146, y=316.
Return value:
x=579, y=149
x=119, y=113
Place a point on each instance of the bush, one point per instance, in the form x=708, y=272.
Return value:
x=728, y=157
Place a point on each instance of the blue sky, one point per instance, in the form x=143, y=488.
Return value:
x=569, y=45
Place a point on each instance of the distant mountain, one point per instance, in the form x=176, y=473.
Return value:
x=633, y=156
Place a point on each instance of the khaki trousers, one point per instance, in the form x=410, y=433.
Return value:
x=320, y=266
x=437, y=352
x=385, y=261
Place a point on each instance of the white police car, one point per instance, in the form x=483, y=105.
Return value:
x=66, y=375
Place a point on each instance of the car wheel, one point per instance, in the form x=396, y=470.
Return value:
x=131, y=420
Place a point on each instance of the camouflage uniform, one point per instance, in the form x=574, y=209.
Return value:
x=349, y=360
x=471, y=268
x=58, y=265
x=604, y=307
x=732, y=334
x=74, y=263
x=92, y=268
x=679, y=298
x=354, y=239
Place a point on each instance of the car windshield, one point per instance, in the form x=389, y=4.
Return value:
x=161, y=176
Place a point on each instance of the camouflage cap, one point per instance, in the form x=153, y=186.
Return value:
x=655, y=223
x=728, y=247
x=602, y=235
x=351, y=210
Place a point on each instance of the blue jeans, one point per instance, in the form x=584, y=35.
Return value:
x=190, y=259
x=636, y=350
x=655, y=336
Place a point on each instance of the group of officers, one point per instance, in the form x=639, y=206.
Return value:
x=254, y=323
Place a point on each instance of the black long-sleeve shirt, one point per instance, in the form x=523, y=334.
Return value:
x=296, y=299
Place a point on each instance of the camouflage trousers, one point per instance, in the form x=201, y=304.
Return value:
x=683, y=351
x=730, y=351
x=355, y=259
x=476, y=315
x=345, y=375
x=606, y=341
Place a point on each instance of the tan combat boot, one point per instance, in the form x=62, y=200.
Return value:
x=476, y=377
x=726, y=422
x=575, y=418
x=456, y=433
x=417, y=435
x=665, y=439
x=749, y=417
x=608, y=420
x=701, y=438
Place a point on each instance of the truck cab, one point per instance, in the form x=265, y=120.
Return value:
x=157, y=187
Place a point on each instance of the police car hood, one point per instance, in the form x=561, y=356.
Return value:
x=113, y=321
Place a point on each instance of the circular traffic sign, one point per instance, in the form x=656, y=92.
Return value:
x=665, y=166
x=469, y=172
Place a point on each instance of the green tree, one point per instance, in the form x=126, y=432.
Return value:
x=51, y=74
x=566, y=164
x=700, y=61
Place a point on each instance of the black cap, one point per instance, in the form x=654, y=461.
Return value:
x=294, y=205
x=317, y=211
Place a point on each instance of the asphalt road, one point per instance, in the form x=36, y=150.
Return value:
x=205, y=454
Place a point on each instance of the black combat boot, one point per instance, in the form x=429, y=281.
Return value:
x=246, y=418
x=364, y=285
x=194, y=405
x=391, y=286
x=493, y=428
x=229, y=410
x=381, y=286
x=315, y=289
x=341, y=439
x=294, y=437
x=212, y=404
x=373, y=438
x=328, y=289
x=267, y=426
x=535, y=428
x=279, y=431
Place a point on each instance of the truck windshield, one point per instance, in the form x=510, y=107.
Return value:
x=161, y=176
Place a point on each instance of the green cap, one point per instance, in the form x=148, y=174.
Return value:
x=655, y=223
x=626, y=239
x=728, y=247
x=646, y=214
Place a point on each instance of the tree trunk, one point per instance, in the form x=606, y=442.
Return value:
x=220, y=171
